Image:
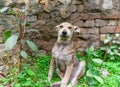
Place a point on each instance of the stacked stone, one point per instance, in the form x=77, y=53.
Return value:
x=94, y=17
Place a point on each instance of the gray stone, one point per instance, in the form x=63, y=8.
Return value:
x=78, y=23
x=38, y=23
x=2, y=46
x=112, y=23
x=57, y=19
x=32, y=18
x=89, y=24
x=36, y=9
x=65, y=1
x=1, y=39
x=94, y=37
x=74, y=17
x=119, y=22
x=83, y=31
x=77, y=2
x=1, y=29
x=111, y=15
x=1, y=3
x=107, y=29
x=73, y=8
x=64, y=12
x=81, y=8
x=108, y=4
x=51, y=25
x=49, y=5
x=93, y=4
x=42, y=52
x=84, y=37
x=100, y=23
x=96, y=43
x=93, y=31
x=89, y=16
x=99, y=5
x=12, y=2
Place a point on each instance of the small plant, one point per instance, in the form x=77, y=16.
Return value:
x=16, y=37
x=93, y=73
x=111, y=46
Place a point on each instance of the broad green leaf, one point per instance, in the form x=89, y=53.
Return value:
x=1, y=85
x=32, y=45
x=98, y=61
x=117, y=35
x=23, y=54
x=30, y=72
x=112, y=58
x=27, y=24
x=117, y=54
x=91, y=48
x=111, y=53
x=95, y=54
x=108, y=39
x=33, y=30
x=119, y=48
x=89, y=73
x=11, y=12
x=89, y=65
x=89, y=51
x=11, y=42
x=99, y=79
x=17, y=85
x=116, y=51
x=6, y=35
x=4, y=9
x=103, y=48
x=90, y=80
x=114, y=47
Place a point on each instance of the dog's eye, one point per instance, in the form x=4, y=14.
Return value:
x=69, y=27
x=61, y=26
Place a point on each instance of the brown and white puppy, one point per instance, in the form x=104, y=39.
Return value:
x=69, y=69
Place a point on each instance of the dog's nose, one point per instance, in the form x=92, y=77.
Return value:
x=64, y=32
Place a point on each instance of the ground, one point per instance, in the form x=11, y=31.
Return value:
x=34, y=74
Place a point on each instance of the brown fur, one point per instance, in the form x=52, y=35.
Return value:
x=64, y=56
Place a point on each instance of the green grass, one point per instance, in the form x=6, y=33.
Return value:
x=113, y=80
x=35, y=74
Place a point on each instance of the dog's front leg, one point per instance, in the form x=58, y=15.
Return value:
x=67, y=75
x=50, y=74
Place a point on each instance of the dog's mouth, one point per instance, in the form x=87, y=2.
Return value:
x=64, y=38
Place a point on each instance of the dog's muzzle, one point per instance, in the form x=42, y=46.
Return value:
x=64, y=35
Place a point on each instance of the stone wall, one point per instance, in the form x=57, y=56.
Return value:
x=94, y=17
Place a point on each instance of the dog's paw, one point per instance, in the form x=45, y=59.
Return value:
x=56, y=84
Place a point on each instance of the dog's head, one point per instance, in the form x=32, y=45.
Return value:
x=65, y=31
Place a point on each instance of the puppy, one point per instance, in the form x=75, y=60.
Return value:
x=69, y=69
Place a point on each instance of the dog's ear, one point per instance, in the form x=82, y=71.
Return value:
x=56, y=28
x=77, y=29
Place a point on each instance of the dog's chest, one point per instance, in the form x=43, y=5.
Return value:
x=62, y=54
